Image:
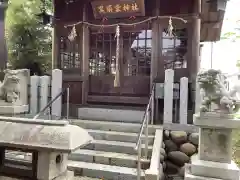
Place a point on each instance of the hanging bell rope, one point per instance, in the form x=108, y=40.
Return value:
x=117, y=74
x=73, y=34
x=170, y=28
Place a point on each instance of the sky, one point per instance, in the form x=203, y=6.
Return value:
x=225, y=52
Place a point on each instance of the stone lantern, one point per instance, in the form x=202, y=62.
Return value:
x=47, y=144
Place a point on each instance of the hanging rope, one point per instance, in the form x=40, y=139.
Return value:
x=170, y=28
x=117, y=75
x=127, y=24
x=73, y=34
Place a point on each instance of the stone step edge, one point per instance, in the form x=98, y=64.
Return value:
x=85, y=178
x=118, y=143
x=106, y=123
x=78, y=165
x=117, y=133
x=108, y=155
x=194, y=177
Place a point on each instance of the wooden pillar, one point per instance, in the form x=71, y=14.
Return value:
x=121, y=56
x=189, y=49
x=157, y=65
x=195, y=43
x=85, y=58
x=194, y=35
x=3, y=48
x=55, y=63
x=155, y=49
x=156, y=60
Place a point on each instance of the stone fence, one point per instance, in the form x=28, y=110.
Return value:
x=44, y=88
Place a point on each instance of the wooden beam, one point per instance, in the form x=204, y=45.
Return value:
x=85, y=58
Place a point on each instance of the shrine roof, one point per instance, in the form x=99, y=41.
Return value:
x=42, y=135
x=212, y=13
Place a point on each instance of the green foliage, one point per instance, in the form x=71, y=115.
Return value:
x=234, y=34
x=28, y=40
x=236, y=146
x=231, y=35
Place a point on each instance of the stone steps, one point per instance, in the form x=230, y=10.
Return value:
x=106, y=172
x=110, y=158
x=117, y=136
x=112, y=126
x=111, y=155
x=116, y=146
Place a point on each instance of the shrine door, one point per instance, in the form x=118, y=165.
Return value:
x=135, y=59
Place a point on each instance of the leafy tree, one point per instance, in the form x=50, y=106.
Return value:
x=28, y=40
x=234, y=34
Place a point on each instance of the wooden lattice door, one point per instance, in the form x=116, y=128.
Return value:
x=135, y=67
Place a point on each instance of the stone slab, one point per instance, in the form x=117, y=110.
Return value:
x=4, y=110
x=156, y=154
x=104, y=171
x=113, y=126
x=111, y=158
x=116, y=115
x=42, y=116
x=25, y=134
x=66, y=176
x=215, y=145
x=115, y=146
x=180, y=127
x=216, y=120
x=118, y=136
x=193, y=177
x=213, y=169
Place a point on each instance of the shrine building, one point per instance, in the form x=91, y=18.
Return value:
x=113, y=51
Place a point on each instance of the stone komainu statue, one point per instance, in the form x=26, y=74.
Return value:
x=10, y=87
x=215, y=94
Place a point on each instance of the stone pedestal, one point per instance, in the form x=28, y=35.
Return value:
x=12, y=109
x=214, y=159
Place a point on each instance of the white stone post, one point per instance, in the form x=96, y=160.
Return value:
x=34, y=84
x=183, y=100
x=197, y=98
x=45, y=82
x=56, y=89
x=168, y=96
